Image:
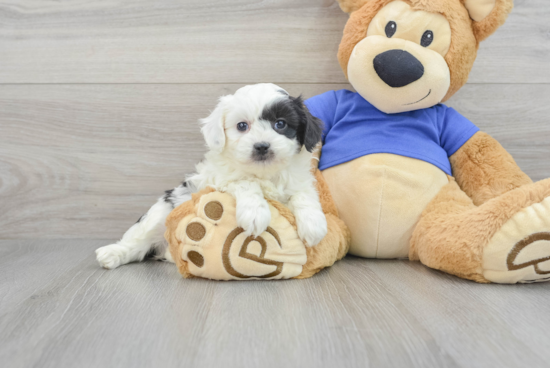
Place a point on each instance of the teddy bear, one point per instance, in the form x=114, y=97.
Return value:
x=411, y=177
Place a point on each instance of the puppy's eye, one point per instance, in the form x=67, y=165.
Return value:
x=242, y=127
x=427, y=39
x=391, y=27
x=280, y=124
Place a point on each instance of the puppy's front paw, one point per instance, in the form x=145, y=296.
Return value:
x=109, y=256
x=312, y=226
x=253, y=215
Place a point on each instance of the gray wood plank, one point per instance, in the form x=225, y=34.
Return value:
x=213, y=41
x=40, y=262
x=358, y=313
x=514, y=320
x=85, y=161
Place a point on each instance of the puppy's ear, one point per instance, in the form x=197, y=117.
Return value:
x=310, y=131
x=314, y=131
x=213, y=127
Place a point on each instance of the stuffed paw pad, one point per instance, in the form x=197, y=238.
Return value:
x=215, y=247
x=196, y=231
x=520, y=251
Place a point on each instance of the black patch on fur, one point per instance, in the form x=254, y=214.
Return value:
x=168, y=194
x=141, y=218
x=190, y=187
x=301, y=125
x=152, y=253
x=283, y=109
x=168, y=198
x=313, y=130
x=172, y=197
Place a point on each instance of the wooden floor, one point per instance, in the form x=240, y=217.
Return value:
x=99, y=102
x=59, y=309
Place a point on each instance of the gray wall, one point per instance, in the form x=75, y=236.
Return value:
x=99, y=100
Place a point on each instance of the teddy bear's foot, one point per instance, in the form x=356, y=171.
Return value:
x=213, y=246
x=520, y=251
x=504, y=240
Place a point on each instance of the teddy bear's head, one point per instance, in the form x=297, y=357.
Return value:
x=404, y=55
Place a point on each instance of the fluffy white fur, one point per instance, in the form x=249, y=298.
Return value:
x=231, y=166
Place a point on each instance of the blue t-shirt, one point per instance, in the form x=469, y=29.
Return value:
x=355, y=128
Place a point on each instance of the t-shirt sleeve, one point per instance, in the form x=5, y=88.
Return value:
x=455, y=130
x=323, y=107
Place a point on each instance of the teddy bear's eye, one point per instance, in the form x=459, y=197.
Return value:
x=391, y=27
x=427, y=39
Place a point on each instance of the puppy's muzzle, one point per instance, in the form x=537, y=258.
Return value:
x=262, y=152
x=398, y=68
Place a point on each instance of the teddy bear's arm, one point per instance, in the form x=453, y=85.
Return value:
x=484, y=169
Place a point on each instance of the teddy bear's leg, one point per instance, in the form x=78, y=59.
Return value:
x=504, y=240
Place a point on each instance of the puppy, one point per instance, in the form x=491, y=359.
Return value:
x=260, y=144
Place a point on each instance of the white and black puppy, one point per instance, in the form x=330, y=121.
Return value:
x=260, y=143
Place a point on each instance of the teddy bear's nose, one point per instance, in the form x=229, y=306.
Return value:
x=398, y=68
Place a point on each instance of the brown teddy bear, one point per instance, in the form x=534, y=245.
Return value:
x=412, y=177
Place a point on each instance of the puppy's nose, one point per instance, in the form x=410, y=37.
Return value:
x=261, y=148
x=398, y=68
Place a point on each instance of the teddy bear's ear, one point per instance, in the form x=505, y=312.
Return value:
x=479, y=9
x=488, y=15
x=349, y=6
